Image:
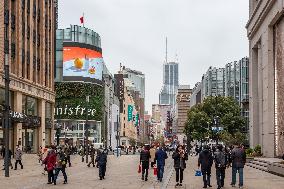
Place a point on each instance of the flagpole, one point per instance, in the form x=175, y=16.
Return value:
x=83, y=19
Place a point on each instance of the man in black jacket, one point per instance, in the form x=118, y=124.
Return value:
x=144, y=160
x=205, y=160
x=101, y=161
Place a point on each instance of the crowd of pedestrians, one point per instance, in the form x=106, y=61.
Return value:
x=223, y=157
x=55, y=160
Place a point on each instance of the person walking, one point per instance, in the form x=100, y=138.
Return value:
x=92, y=155
x=179, y=156
x=50, y=162
x=160, y=158
x=101, y=161
x=18, y=157
x=152, y=154
x=10, y=159
x=144, y=161
x=220, y=165
x=238, y=157
x=205, y=160
x=68, y=154
x=60, y=165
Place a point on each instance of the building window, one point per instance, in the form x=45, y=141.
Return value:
x=30, y=105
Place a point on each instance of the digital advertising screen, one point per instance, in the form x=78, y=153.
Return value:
x=82, y=62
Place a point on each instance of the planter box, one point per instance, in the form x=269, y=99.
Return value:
x=249, y=159
x=276, y=168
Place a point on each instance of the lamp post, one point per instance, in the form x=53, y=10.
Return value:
x=7, y=81
x=87, y=128
x=117, y=133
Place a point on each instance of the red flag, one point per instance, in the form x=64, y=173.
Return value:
x=82, y=20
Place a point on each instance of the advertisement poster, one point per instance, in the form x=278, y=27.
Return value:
x=82, y=62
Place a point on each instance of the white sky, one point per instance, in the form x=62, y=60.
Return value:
x=202, y=33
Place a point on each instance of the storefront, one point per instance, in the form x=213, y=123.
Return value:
x=73, y=110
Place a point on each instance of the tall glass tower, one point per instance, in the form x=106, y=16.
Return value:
x=170, y=84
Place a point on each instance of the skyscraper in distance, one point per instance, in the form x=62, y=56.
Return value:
x=170, y=84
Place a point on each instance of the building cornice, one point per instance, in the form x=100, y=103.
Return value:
x=262, y=15
x=26, y=87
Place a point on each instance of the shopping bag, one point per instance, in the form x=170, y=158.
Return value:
x=198, y=173
x=139, y=168
x=155, y=171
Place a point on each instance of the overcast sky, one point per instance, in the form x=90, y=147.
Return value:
x=202, y=33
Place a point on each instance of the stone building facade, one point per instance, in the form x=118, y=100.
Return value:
x=30, y=49
x=265, y=29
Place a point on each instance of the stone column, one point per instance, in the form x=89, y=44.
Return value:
x=52, y=133
x=17, y=126
x=41, y=129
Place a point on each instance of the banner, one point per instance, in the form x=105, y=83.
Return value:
x=130, y=112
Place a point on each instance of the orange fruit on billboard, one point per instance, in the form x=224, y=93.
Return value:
x=78, y=63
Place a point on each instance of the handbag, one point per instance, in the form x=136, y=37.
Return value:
x=139, y=168
x=198, y=173
x=155, y=170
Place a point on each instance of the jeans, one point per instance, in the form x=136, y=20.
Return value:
x=179, y=175
x=241, y=176
x=206, y=176
x=160, y=172
x=57, y=170
x=20, y=162
x=220, y=174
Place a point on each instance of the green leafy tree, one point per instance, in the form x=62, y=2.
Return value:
x=200, y=118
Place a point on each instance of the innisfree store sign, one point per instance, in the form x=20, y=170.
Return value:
x=70, y=101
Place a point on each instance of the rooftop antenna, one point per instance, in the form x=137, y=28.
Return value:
x=176, y=57
x=166, y=50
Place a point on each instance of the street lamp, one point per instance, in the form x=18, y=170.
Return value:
x=117, y=133
x=87, y=127
x=7, y=81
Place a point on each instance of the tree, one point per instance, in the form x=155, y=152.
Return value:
x=132, y=142
x=200, y=119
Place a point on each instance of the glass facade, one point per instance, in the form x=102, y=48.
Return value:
x=233, y=80
x=170, y=84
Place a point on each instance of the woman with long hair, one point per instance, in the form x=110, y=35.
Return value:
x=179, y=156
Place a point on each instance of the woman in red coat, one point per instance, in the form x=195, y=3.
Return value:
x=50, y=161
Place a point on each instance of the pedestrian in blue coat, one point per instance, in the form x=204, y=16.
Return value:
x=160, y=158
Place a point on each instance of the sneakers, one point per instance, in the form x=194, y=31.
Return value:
x=233, y=185
x=241, y=187
x=65, y=182
x=180, y=184
x=177, y=184
x=142, y=177
x=146, y=179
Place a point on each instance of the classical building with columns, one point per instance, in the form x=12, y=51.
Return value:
x=30, y=48
x=266, y=69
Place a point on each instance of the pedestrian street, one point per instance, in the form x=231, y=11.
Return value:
x=122, y=172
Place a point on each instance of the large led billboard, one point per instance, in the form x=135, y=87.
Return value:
x=82, y=62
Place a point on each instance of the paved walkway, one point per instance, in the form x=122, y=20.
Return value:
x=122, y=174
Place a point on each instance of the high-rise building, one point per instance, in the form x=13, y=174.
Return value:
x=183, y=105
x=135, y=82
x=265, y=29
x=170, y=84
x=213, y=82
x=195, y=97
x=27, y=31
x=236, y=85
